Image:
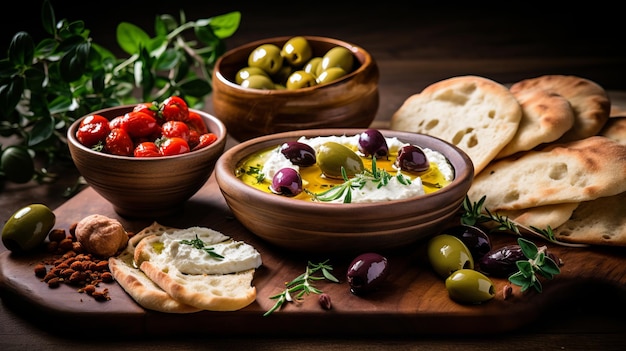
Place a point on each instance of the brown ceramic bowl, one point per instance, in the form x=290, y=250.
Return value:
x=349, y=102
x=147, y=187
x=331, y=227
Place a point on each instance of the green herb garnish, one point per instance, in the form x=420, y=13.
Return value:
x=538, y=264
x=199, y=244
x=379, y=176
x=302, y=285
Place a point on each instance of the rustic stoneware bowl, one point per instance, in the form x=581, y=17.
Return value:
x=349, y=102
x=331, y=227
x=147, y=187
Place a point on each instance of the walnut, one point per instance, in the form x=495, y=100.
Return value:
x=101, y=235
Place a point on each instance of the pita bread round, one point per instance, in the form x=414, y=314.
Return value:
x=615, y=128
x=546, y=116
x=478, y=115
x=590, y=102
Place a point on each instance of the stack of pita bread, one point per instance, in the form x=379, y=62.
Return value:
x=547, y=151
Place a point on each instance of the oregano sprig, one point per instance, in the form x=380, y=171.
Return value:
x=303, y=285
x=537, y=264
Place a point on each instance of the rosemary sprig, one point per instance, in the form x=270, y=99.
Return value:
x=303, y=284
x=199, y=244
x=379, y=176
x=538, y=264
x=474, y=213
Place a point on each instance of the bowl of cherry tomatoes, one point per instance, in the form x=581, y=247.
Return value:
x=147, y=159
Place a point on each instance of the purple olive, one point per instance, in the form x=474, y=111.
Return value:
x=367, y=272
x=476, y=240
x=300, y=154
x=412, y=159
x=501, y=262
x=287, y=181
x=373, y=143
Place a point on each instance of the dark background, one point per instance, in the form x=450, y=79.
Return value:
x=554, y=40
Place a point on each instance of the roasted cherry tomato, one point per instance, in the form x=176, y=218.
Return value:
x=194, y=138
x=172, y=129
x=146, y=149
x=139, y=124
x=205, y=140
x=173, y=146
x=194, y=121
x=116, y=122
x=174, y=108
x=118, y=142
x=92, y=130
x=147, y=107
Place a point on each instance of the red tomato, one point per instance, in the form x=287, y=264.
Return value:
x=196, y=122
x=173, y=146
x=147, y=107
x=116, y=122
x=174, y=108
x=118, y=142
x=206, y=139
x=172, y=129
x=139, y=124
x=146, y=149
x=92, y=130
x=194, y=138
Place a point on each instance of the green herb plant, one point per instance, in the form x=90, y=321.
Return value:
x=197, y=243
x=303, y=285
x=538, y=264
x=46, y=86
x=379, y=176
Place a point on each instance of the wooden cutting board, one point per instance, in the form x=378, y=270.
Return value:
x=413, y=301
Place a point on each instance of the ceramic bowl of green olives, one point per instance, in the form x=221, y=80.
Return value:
x=292, y=223
x=293, y=83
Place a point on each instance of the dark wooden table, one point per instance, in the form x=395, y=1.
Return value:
x=413, y=48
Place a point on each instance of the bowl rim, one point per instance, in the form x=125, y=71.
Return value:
x=356, y=50
x=222, y=134
x=226, y=164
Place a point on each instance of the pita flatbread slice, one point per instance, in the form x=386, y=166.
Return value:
x=615, y=129
x=478, y=115
x=542, y=217
x=574, y=172
x=141, y=288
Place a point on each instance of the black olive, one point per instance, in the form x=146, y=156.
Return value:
x=476, y=240
x=501, y=262
x=373, y=143
x=300, y=154
x=412, y=159
x=367, y=272
x=287, y=181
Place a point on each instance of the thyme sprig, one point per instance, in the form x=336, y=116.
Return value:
x=199, y=244
x=303, y=284
x=376, y=175
x=538, y=264
x=475, y=213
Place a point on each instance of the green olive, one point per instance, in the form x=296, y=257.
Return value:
x=16, y=164
x=332, y=157
x=297, y=51
x=283, y=74
x=246, y=72
x=311, y=66
x=258, y=82
x=267, y=57
x=447, y=254
x=469, y=286
x=28, y=227
x=336, y=57
x=330, y=74
x=300, y=79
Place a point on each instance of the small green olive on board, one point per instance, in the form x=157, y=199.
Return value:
x=338, y=56
x=297, y=51
x=246, y=72
x=28, y=227
x=267, y=57
x=447, y=254
x=330, y=75
x=332, y=157
x=16, y=164
x=300, y=79
x=258, y=82
x=469, y=286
